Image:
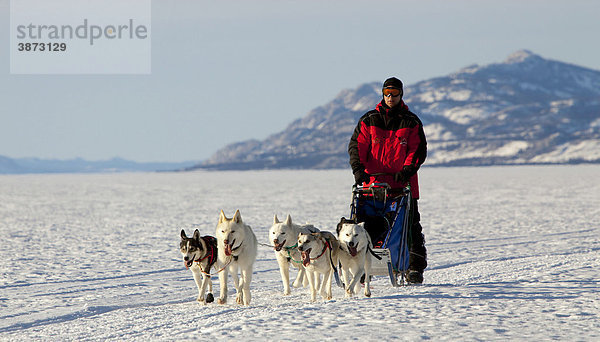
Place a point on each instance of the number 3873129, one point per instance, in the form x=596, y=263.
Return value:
x=50, y=47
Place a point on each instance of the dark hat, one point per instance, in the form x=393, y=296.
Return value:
x=392, y=82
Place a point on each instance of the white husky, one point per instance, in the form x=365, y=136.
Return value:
x=237, y=251
x=284, y=236
x=355, y=245
x=319, y=255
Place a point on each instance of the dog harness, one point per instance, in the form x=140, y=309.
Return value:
x=211, y=253
x=323, y=252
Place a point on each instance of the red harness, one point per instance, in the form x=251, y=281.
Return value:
x=211, y=243
x=323, y=252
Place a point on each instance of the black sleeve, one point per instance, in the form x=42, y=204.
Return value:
x=358, y=169
x=421, y=153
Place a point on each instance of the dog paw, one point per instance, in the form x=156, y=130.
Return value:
x=287, y=292
x=239, y=299
x=210, y=298
x=368, y=294
x=221, y=301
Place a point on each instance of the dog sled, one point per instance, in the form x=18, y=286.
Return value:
x=385, y=212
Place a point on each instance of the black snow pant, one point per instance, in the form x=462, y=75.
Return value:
x=416, y=240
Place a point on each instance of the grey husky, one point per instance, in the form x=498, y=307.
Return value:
x=199, y=255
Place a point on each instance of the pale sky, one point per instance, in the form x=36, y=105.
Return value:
x=226, y=71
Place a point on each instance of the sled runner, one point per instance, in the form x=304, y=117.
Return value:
x=385, y=212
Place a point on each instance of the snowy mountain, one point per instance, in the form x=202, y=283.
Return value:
x=525, y=110
x=78, y=165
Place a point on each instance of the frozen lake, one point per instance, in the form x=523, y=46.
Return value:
x=514, y=253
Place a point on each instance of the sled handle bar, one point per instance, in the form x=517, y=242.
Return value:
x=367, y=189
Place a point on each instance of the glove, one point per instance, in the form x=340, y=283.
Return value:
x=361, y=177
x=400, y=177
x=404, y=175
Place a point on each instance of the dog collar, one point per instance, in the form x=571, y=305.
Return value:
x=290, y=255
x=236, y=248
x=291, y=247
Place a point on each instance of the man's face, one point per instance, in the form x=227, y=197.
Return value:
x=392, y=96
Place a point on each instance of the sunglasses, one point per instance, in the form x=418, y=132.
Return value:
x=387, y=92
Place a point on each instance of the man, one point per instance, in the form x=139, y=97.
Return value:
x=389, y=146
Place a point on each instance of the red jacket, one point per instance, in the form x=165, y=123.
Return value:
x=388, y=141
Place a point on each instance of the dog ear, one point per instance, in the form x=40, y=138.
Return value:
x=237, y=217
x=345, y=220
x=339, y=225
x=222, y=217
x=196, y=235
x=288, y=220
x=183, y=236
x=275, y=219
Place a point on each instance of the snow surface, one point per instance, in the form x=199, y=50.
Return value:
x=513, y=255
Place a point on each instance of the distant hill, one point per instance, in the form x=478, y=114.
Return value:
x=525, y=110
x=78, y=165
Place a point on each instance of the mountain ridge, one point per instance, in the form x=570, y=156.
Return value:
x=79, y=165
x=524, y=110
